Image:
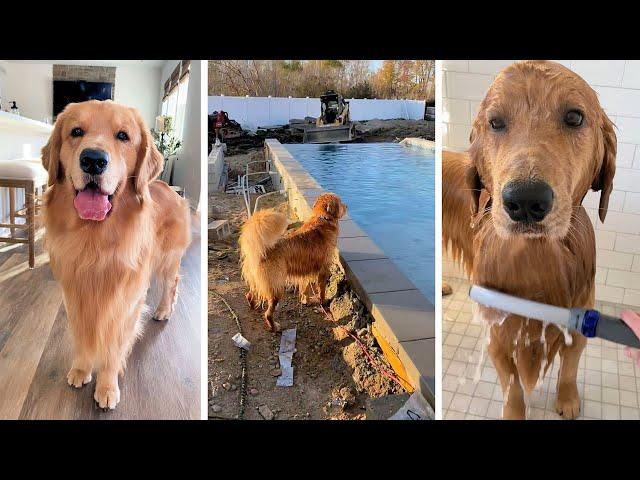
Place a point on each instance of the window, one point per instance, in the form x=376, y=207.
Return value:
x=175, y=97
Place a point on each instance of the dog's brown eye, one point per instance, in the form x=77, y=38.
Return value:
x=122, y=136
x=77, y=132
x=573, y=118
x=497, y=124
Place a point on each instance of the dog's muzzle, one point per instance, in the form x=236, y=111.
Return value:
x=527, y=201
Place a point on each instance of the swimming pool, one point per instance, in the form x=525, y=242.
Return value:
x=389, y=190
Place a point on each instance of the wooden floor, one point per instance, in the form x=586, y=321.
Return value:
x=162, y=380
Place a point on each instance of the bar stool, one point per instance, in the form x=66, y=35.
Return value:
x=30, y=175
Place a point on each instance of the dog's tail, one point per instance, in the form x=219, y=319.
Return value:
x=260, y=233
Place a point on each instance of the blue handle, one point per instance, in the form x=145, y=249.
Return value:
x=590, y=323
x=595, y=324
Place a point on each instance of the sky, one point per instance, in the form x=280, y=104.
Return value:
x=374, y=65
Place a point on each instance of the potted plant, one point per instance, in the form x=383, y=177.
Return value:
x=165, y=140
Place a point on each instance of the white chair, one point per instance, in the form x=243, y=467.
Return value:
x=30, y=175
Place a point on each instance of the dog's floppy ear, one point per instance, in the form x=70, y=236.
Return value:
x=150, y=161
x=603, y=180
x=474, y=184
x=51, y=153
x=473, y=180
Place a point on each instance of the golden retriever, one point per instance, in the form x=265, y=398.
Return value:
x=273, y=261
x=108, y=226
x=512, y=212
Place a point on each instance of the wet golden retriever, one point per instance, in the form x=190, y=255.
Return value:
x=512, y=212
x=273, y=261
x=108, y=226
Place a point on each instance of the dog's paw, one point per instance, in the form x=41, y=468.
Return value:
x=77, y=378
x=272, y=326
x=107, y=396
x=568, y=401
x=162, y=314
x=446, y=289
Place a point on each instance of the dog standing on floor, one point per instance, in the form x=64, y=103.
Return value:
x=512, y=213
x=108, y=226
x=272, y=261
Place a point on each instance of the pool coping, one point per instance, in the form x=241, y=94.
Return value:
x=402, y=314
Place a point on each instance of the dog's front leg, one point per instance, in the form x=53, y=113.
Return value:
x=83, y=357
x=107, y=394
x=567, y=397
x=514, y=406
x=113, y=358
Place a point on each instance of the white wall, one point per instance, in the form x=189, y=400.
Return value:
x=253, y=112
x=618, y=86
x=31, y=86
x=190, y=162
x=137, y=87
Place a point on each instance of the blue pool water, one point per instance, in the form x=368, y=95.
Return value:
x=389, y=190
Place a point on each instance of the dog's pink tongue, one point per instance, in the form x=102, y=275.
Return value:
x=92, y=205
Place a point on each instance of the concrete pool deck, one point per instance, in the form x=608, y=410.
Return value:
x=404, y=317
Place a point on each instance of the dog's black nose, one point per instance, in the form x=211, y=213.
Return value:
x=93, y=161
x=527, y=201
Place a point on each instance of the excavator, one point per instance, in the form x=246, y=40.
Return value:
x=333, y=124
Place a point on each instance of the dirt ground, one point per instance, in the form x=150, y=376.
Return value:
x=370, y=131
x=332, y=377
x=394, y=130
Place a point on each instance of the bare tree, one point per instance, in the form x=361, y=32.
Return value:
x=301, y=78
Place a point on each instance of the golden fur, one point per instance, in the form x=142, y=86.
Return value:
x=272, y=261
x=555, y=263
x=105, y=267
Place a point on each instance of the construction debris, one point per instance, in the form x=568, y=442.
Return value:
x=415, y=408
x=241, y=342
x=285, y=355
x=266, y=412
x=219, y=229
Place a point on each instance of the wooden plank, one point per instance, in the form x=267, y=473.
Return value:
x=14, y=240
x=393, y=359
x=21, y=226
x=162, y=380
x=21, y=352
x=12, y=182
x=49, y=396
x=13, y=294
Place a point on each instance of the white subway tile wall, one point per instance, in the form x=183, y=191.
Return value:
x=617, y=83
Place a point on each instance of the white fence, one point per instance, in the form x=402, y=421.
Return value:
x=254, y=112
